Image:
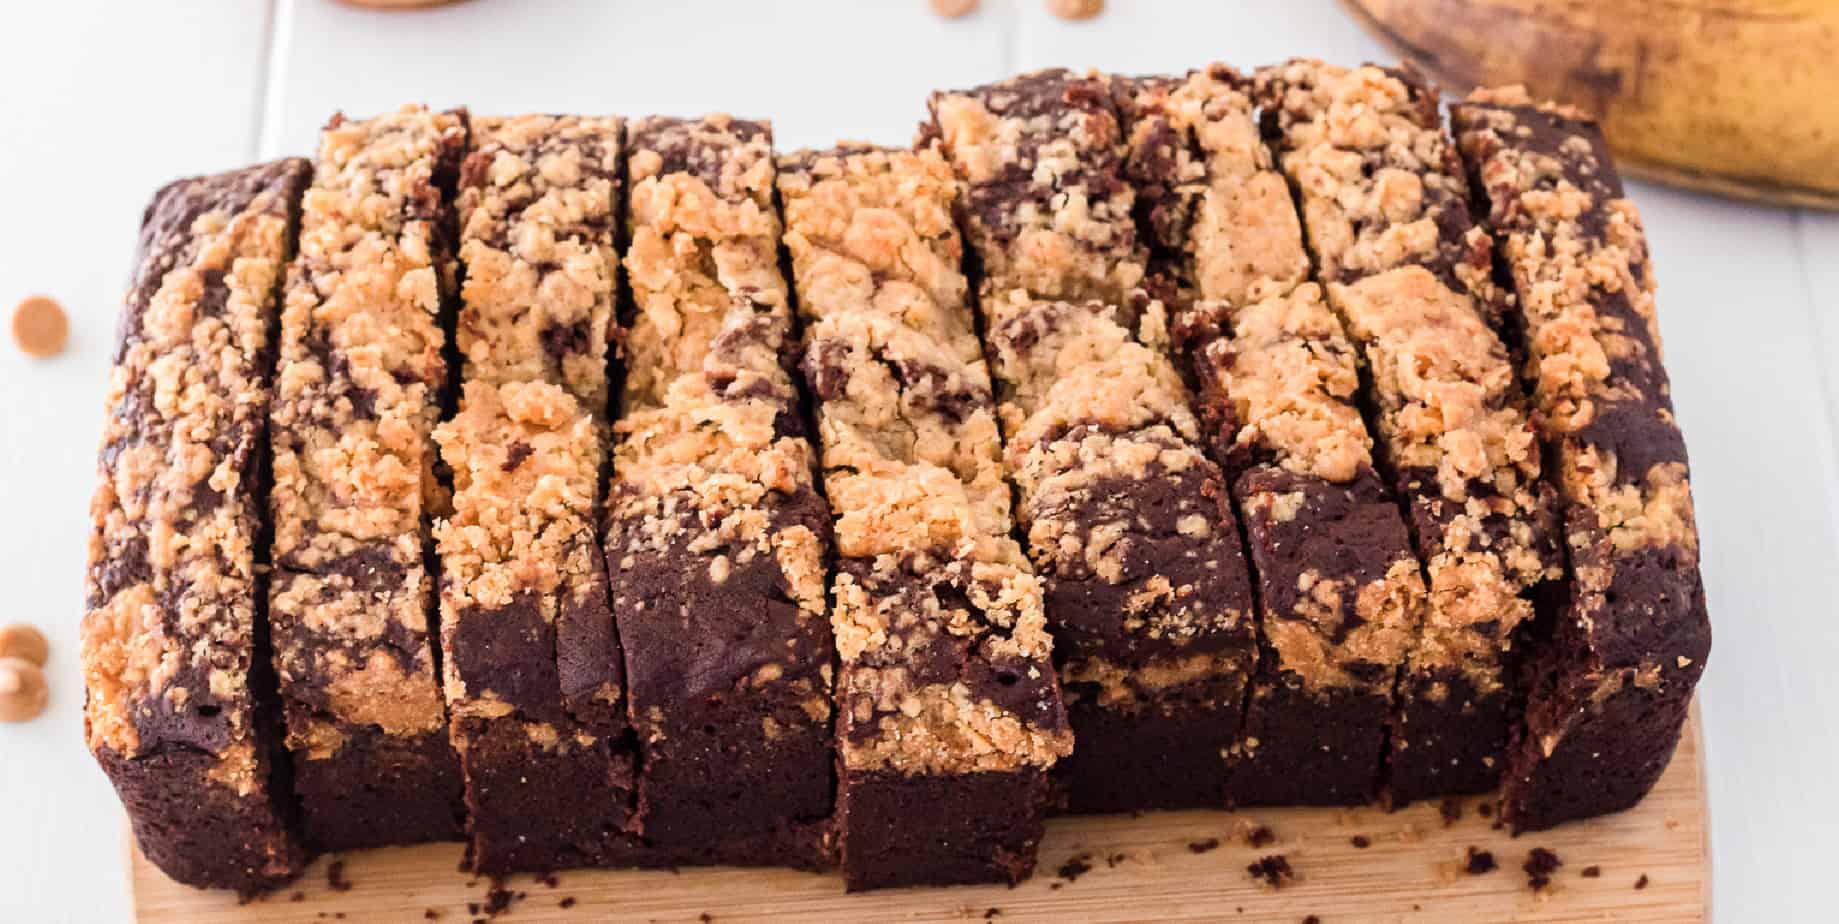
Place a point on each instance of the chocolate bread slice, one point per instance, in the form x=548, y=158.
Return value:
x=523, y=600
x=1277, y=381
x=1129, y=522
x=1126, y=518
x=532, y=668
x=1341, y=590
x=716, y=537
x=359, y=390
x=949, y=714
x=1386, y=213
x=1612, y=690
x=180, y=705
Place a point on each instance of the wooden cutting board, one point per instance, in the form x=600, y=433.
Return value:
x=1651, y=864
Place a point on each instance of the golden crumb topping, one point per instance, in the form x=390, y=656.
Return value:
x=1216, y=203
x=536, y=206
x=1045, y=205
x=704, y=248
x=525, y=464
x=1293, y=380
x=172, y=561
x=910, y=444
x=1377, y=175
x=1064, y=364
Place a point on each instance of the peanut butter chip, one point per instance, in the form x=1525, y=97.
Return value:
x=1075, y=9
x=395, y=4
x=39, y=326
x=22, y=690
x=25, y=643
x=952, y=9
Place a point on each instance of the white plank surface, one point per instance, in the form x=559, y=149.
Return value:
x=817, y=68
x=104, y=101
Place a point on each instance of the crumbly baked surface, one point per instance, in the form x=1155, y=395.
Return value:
x=358, y=392
x=174, y=649
x=946, y=688
x=1214, y=213
x=1614, y=686
x=716, y=538
x=702, y=229
x=1045, y=205
x=1379, y=180
x=538, y=197
x=1408, y=270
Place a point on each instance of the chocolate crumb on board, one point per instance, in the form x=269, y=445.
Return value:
x=1611, y=692
x=1450, y=809
x=568, y=901
x=1641, y=883
x=1204, y=846
x=705, y=917
x=430, y=914
x=1273, y=870
x=335, y=877
x=497, y=899
x=1077, y=866
x=992, y=913
x=1360, y=842
x=297, y=897
x=1479, y=861
x=1539, y=866
x=1260, y=836
x=1591, y=872
x=1312, y=919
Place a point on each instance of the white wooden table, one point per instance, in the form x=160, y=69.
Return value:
x=100, y=102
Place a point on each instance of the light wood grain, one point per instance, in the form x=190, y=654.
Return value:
x=1143, y=868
